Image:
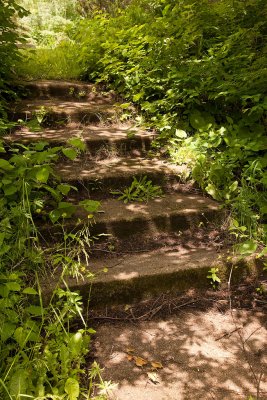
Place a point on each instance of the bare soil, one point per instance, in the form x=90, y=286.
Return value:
x=211, y=345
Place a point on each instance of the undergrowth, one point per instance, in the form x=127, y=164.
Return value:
x=58, y=62
x=50, y=51
x=41, y=350
x=197, y=72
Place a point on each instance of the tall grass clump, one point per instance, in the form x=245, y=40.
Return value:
x=50, y=52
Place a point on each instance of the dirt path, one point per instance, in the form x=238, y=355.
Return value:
x=204, y=354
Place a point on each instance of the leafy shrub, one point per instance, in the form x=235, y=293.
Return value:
x=40, y=353
x=197, y=71
x=9, y=54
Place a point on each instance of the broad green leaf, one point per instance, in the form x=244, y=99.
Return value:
x=233, y=187
x=65, y=210
x=263, y=209
x=9, y=190
x=18, y=384
x=30, y=290
x=72, y=388
x=7, y=330
x=90, y=205
x=247, y=248
x=54, y=215
x=125, y=105
x=70, y=153
x=34, y=125
x=41, y=145
x=78, y=143
x=138, y=96
x=13, y=286
x=75, y=343
x=64, y=188
x=263, y=252
x=5, y=165
x=57, y=196
x=212, y=191
x=4, y=291
x=180, y=134
x=21, y=336
x=42, y=174
x=66, y=207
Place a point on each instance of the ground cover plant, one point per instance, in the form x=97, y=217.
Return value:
x=141, y=189
x=41, y=351
x=197, y=72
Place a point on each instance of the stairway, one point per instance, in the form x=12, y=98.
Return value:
x=165, y=244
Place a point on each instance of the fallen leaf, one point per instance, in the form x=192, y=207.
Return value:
x=153, y=377
x=140, y=362
x=130, y=350
x=130, y=357
x=156, y=364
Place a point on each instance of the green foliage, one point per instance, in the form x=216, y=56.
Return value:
x=197, y=72
x=46, y=63
x=213, y=277
x=46, y=355
x=9, y=55
x=139, y=190
x=10, y=38
x=49, y=22
x=50, y=51
x=40, y=353
x=30, y=187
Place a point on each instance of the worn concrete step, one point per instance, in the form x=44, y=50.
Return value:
x=59, y=113
x=132, y=277
x=142, y=221
x=115, y=173
x=101, y=141
x=66, y=90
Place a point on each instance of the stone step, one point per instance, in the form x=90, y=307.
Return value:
x=59, y=113
x=92, y=176
x=101, y=141
x=64, y=90
x=132, y=277
x=143, y=221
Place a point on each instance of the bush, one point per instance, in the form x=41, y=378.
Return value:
x=197, y=71
x=9, y=54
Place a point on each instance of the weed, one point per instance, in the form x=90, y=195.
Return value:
x=40, y=351
x=140, y=189
x=81, y=94
x=213, y=277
